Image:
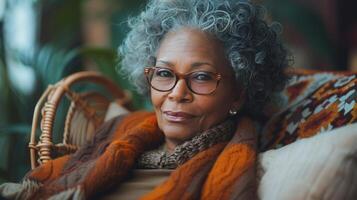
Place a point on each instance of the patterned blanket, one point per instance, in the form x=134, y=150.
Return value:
x=312, y=103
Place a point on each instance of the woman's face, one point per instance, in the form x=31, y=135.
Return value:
x=181, y=113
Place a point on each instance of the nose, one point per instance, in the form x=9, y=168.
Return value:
x=180, y=93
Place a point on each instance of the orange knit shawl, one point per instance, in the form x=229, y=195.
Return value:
x=223, y=171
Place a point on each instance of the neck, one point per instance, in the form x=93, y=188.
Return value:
x=170, y=145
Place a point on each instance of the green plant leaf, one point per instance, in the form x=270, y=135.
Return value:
x=104, y=58
x=52, y=64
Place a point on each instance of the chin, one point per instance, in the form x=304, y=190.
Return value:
x=178, y=134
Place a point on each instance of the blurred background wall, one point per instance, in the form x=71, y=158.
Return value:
x=42, y=41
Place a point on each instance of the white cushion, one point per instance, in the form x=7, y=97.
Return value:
x=115, y=109
x=320, y=167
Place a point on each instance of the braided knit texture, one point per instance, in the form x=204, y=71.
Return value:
x=225, y=170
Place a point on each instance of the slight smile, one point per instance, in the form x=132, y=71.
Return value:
x=177, y=116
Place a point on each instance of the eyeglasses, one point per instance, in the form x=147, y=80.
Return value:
x=199, y=82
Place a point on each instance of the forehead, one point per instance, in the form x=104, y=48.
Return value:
x=187, y=45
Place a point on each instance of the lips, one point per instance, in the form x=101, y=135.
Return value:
x=177, y=116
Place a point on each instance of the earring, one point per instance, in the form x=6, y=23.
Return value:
x=233, y=112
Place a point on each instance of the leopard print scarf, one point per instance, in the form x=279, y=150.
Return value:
x=161, y=159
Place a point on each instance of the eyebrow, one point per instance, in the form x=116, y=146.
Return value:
x=165, y=62
x=194, y=65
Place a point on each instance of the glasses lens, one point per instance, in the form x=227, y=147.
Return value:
x=162, y=79
x=203, y=82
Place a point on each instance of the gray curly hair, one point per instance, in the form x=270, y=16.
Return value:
x=252, y=46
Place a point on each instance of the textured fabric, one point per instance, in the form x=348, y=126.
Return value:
x=102, y=163
x=160, y=158
x=17, y=190
x=140, y=182
x=225, y=170
x=313, y=102
x=321, y=167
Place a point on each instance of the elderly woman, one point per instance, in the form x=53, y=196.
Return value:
x=207, y=65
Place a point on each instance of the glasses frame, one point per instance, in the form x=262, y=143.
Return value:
x=179, y=76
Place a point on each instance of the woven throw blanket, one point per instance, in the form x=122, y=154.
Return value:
x=225, y=170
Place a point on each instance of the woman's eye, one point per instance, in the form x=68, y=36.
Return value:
x=202, y=76
x=164, y=73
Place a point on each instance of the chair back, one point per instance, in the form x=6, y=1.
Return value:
x=85, y=114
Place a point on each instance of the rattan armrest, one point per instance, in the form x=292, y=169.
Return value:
x=87, y=109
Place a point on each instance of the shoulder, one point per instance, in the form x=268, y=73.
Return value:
x=137, y=119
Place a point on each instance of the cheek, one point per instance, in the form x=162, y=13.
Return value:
x=213, y=106
x=157, y=98
x=213, y=109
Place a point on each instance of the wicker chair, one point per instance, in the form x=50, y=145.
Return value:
x=85, y=114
